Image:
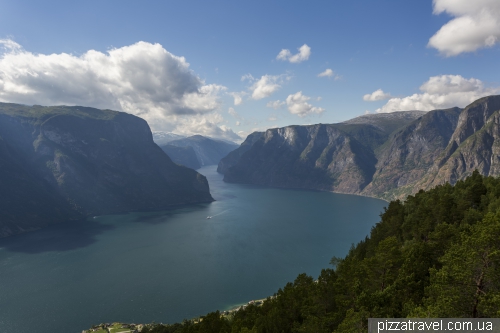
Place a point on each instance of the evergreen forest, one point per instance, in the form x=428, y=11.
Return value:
x=436, y=254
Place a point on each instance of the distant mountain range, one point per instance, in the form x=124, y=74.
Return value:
x=65, y=163
x=196, y=151
x=62, y=163
x=386, y=155
x=162, y=138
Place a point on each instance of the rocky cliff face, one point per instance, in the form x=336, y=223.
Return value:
x=473, y=145
x=336, y=157
x=387, y=156
x=409, y=153
x=85, y=161
x=233, y=157
x=318, y=156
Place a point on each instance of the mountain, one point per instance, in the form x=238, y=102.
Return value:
x=182, y=155
x=313, y=156
x=208, y=151
x=162, y=138
x=382, y=155
x=410, y=152
x=334, y=157
x=474, y=144
x=61, y=163
x=233, y=157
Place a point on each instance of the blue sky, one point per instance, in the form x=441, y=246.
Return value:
x=213, y=67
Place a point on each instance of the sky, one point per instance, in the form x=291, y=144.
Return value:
x=227, y=68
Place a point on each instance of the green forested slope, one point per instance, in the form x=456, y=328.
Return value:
x=435, y=255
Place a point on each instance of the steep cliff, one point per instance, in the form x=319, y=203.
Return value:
x=410, y=152
x=383, y=155
x=311, y=157
x=473, y=145
x=233, y=157
x=84, y=161
x=337, y=157
x=182, y=155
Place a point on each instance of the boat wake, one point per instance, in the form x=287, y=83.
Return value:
x=209, y=217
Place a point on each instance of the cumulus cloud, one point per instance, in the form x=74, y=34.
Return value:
x=297, y=104
x=8, y=44
x=275, y=104
x=377, y=95
x=206, y=125
x=143, y=79
x=238, y=97
x=476, y=25
x=330, y=73
x=441, y=92
x=286, y=55
x=266, y=85
x=233, y=113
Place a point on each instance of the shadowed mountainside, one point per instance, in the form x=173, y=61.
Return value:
x=182, y=155
x=61, y=163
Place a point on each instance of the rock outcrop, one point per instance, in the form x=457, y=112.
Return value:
x=473, y=145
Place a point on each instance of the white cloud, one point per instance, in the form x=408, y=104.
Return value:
x=476, y=25
x=441, y=92
x=275, y=104
x=330, y=73
x=233, y=113
x=266, y=85
x=377, y=95
x=238, y=97
x=142, y=79
x=8, y=44
x=248, y=77
x=206, y=125
x=238, y=123
x=297, y=104
x=304, y=53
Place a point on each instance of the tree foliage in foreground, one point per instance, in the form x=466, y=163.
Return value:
x=435, y=255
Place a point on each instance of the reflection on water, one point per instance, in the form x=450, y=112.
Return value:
x=62, y=237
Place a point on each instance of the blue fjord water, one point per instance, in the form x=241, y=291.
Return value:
x=170, y=265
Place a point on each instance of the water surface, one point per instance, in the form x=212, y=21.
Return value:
x=170, y=265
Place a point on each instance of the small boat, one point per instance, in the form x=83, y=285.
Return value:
x=209, y=217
